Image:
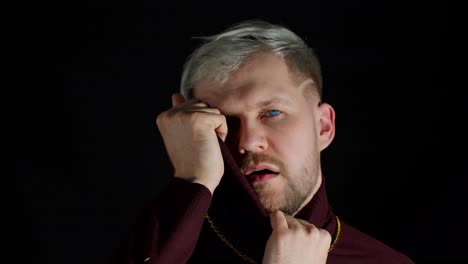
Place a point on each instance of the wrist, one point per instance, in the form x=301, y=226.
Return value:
x=210, y=185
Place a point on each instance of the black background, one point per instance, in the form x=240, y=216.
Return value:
x=94, y=75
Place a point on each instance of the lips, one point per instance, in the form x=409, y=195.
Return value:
x=263, y=177
x=261, y=167
x=261, y=173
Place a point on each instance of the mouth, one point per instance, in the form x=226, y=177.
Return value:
x=261, y=175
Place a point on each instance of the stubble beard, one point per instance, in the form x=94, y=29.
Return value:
x=294, y=189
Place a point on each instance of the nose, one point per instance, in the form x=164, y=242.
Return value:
x=252, y=138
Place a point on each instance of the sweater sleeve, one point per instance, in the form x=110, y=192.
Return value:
x=167, y=232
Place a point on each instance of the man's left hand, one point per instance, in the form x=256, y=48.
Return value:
x=295, y=241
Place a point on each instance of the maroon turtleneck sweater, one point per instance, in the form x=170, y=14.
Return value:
x=174, y=229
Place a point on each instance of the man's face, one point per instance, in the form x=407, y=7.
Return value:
x=274, y=125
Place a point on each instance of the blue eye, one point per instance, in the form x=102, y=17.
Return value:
x=272, y=113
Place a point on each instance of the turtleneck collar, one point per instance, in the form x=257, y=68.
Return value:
x=318, y=211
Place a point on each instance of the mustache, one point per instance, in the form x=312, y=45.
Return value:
x=253, y=159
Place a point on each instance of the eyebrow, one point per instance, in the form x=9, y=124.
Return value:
x=274, y=100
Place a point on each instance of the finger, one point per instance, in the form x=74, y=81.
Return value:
x=204, y=109
x=191, y=104
x=198, y=103
x=294, y=223
x=326, y=235
x=211, y=121
x=278, y=221
x=304, y=222
x=219, y=124
x=222, y=129
x=177, y=99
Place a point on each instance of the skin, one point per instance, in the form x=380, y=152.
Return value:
x=272, y=119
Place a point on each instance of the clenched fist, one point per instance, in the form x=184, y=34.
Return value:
x=190, y=131
x=295, y=241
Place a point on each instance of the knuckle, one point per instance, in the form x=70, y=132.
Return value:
x=283, y=234
x=311, y=228
x=325, y=234
x=160, y=118
x=223, y=118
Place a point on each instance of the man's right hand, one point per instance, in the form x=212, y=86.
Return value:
x=190, y=130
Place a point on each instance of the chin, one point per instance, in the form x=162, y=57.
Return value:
x=271, y=194
x=271, y=201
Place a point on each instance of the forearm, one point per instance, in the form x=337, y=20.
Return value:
x=169, y=230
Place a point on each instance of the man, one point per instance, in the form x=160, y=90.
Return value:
x=244, y=137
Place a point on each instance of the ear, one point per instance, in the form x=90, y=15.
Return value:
x=326, y=125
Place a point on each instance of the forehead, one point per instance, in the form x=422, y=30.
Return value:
x=262, y=78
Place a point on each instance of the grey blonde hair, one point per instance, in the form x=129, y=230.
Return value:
x=224, y=53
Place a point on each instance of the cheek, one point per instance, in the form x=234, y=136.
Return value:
x=293, y=142
x=294, y=130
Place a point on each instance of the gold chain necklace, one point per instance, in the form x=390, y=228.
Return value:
x=249, y=260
